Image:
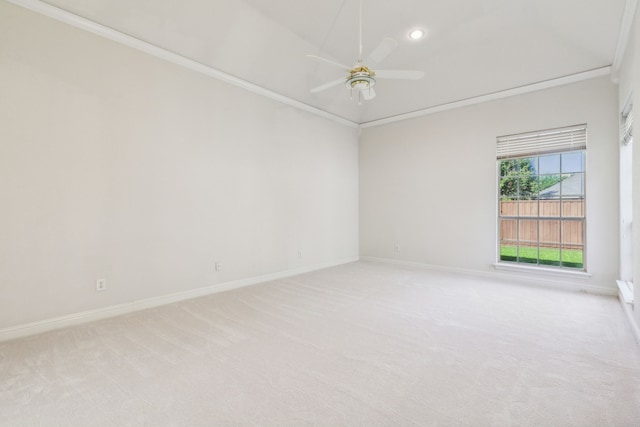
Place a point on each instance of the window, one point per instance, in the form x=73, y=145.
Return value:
x=626, y=202
x=541, y=187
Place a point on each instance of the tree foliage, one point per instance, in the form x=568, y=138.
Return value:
x=519, y=180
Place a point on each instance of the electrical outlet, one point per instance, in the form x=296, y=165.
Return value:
x=218, y=266
x=396, y=248
x=299, y=253
x=101, y=285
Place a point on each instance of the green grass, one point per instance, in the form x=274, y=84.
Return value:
x=548, y=256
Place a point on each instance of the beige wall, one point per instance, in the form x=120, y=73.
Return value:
x=117, y=165
x=429, y=184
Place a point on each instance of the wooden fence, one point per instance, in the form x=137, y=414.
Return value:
x=567, y=232
x=552, y=208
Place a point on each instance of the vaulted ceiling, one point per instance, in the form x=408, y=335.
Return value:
x=471, y=48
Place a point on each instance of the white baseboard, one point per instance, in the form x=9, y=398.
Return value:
x=628, y=311
x=116, y=310
x=522, y=277
x=627, y=301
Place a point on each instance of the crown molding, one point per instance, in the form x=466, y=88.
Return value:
x=148, y=48
x=77, y=21
x=561, y=81
x=623, y=37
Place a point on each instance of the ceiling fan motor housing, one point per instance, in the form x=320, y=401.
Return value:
x=360, y=78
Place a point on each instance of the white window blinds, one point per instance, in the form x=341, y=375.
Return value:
x=626, y=126
x=542, y=142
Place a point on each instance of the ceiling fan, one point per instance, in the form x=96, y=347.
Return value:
x=361, y=78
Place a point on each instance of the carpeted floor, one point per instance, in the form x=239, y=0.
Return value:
x=362, y=344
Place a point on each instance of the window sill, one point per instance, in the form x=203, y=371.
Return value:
x=551, y=272
x=626, y=291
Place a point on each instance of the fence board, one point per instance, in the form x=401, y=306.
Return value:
x=568, y=234
x=570, y=208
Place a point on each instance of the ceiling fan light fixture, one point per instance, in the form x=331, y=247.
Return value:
x=360, y=84
x=360, y=81
x=416, y=34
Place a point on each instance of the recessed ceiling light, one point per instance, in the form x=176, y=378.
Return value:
x=416, y=34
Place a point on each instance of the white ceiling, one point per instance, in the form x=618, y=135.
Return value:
x=472, y=47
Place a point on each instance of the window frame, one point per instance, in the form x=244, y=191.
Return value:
x=561, y=219
x=625, y=283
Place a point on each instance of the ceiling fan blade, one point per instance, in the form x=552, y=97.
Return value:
x=399, y=74
x=327, y=85
x=329, y=61
x=368, y=93
x=381, y=51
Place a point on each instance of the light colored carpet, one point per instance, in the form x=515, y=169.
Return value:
x=363, y=344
